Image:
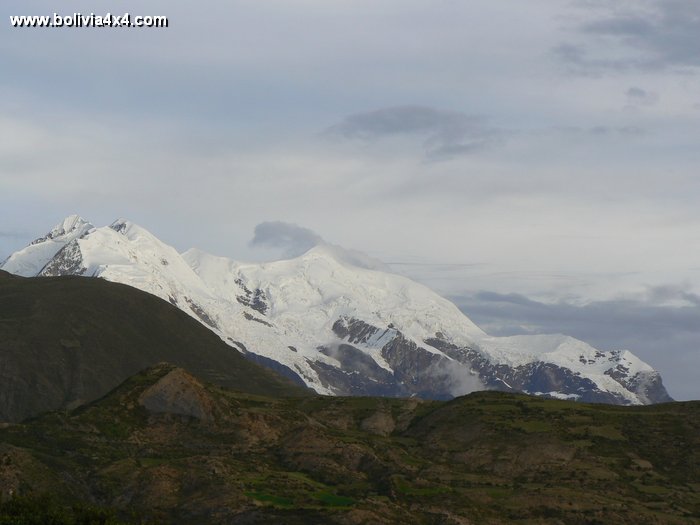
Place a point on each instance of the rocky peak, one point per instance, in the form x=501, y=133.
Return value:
x=69, y=225
x=121, y=226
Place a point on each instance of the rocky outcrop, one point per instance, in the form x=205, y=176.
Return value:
x=68, y=261
x=179, y=393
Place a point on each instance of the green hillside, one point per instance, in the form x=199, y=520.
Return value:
x=69, y=340
x=165, y=447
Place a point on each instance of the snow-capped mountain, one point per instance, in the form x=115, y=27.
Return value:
x=337, y=325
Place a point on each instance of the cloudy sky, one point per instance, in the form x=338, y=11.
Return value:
x=535, y=161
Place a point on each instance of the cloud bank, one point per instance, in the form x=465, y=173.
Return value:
x=445, y=134
x=648, y=35
x=294, y=240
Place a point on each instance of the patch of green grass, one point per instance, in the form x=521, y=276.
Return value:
x=153, y=462
x=604, y=431
x=651, y=489
x=499, y=407
x=582, y=443
x=499, y=493
x=408, y=489
x=607, y=432
x=333, y=500
x=532, y=426
x=277, y=501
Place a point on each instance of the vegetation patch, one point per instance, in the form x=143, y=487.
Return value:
x=486, y=458
x=271, y=499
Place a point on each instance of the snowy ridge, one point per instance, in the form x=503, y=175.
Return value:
x=570, y=353
x=339, y=327
x=32, y=259
x=308, y=294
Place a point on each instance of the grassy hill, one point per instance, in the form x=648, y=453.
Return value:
x=167, y=447
x=69, y=340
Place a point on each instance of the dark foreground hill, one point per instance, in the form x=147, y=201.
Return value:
x=68, y=340
x=167, y=448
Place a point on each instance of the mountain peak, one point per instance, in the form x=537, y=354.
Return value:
x=71, y=222
x=69, y=225
x=345, y=256
x=121, y=225
x=31, y=260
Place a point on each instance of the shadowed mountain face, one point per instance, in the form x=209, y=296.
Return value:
x=169, y=447
x=68, y=340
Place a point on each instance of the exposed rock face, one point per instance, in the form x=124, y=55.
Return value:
x=68, y=261
x=414, y=369
x=534, y=377
x=179, y=393
x=649, y=387
x=380, y=423
x=200, y=313
x=358, y=374
x=254, y=299
x=421, y=370
x=541, y=378
x=354, y=330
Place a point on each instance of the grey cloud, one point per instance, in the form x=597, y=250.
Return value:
x=649, y=34
x=603, y=130
x=636, y=93
x=513, y=298
x=618, y=130
x=445, y=134
x=578, y=60
x=666, y=293
x=625, y=24
x=641, y=97
x=662, y=326
x=293, y=239
x=570, y=53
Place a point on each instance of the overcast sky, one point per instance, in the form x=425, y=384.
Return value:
x=535, y=161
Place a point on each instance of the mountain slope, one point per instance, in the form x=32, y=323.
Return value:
x=170, y=447
x=341, y=328
x=68, y=340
